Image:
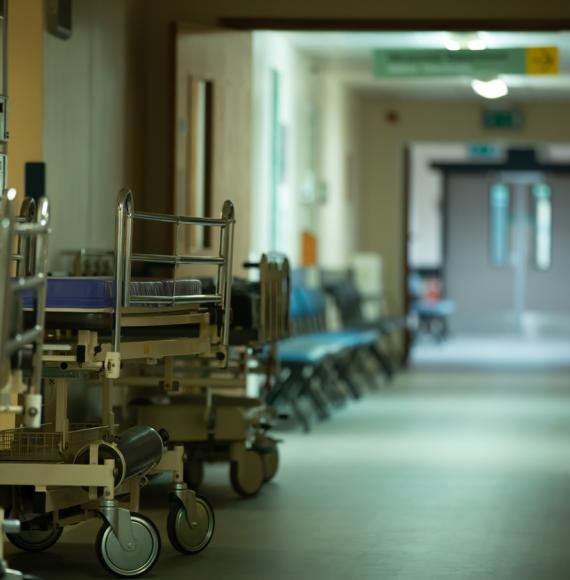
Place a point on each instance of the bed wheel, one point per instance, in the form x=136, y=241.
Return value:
x=35, y=540
x=247, y=475
x=191, y=537
x=193, y=471
x=126, y=564
x=270, y=463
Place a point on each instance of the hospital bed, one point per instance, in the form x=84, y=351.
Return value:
x=209, y=411
x=60, y=474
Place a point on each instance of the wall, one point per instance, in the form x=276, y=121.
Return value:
x=425, y=245
x=316, y=112
x=381, y=167
x=225, y=59
x=25, y=90
x=92, y=122
x=339, y=157
x=274, y=54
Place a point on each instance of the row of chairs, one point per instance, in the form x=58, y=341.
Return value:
x=325, y=367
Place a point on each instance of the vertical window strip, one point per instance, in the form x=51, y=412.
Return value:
x=542, y=195
x=499, y=209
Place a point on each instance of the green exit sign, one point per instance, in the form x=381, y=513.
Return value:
x=504, y=119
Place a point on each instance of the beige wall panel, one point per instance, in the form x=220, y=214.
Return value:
x=91, y=137
x=25, y=54
x=381, y=167
x=225, y=59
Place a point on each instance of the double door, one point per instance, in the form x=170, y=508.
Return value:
x=507, y=248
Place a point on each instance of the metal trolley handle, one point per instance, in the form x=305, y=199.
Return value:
x=124, y=256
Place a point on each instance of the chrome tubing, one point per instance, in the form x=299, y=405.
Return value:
x=124, y=256
x=27, y=216
x=40, y=256
x=31, y=275
x=177, y=219
x=5, y=282
x=123, y=235
x=227, y=245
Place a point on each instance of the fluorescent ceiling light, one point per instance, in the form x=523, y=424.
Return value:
x=465, y=41
x=493, y=89
x=452, y=44
x=476, y=44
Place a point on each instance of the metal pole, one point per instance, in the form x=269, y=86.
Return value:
x=40, y=270
x=228, y=213
x=124, y=209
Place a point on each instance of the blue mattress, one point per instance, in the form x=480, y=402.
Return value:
x=93, y=293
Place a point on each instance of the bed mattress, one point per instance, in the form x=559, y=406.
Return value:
x=94, y=293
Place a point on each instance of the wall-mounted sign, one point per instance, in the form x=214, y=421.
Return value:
x=503, y=119
x=473, y=63
x=484, y=151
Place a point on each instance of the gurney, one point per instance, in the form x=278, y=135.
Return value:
x=61, y=473
x=206, y=408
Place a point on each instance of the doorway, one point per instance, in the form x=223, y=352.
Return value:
x=506, y=235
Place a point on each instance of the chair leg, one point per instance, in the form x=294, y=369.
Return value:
x=312, y=390
x=383, y=360
x=301, y=418
x=331, y=386
x=350, y=383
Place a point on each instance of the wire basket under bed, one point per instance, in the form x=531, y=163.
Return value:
x=43, y=445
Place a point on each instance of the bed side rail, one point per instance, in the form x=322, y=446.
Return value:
x=31, y=231
x=275, y=289
x=124, y=257
x=275, y=296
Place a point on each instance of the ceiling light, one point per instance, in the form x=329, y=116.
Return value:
x=452, y=44
x=465, y=41
x=493, y=89
x=476, y=44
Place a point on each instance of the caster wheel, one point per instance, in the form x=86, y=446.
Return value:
x=247, y=475
x=35, y=540
x=193, y=472
x=270, y=463
x=125, y=564
x=191, y=537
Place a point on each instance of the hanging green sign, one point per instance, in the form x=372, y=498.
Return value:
x=473, y=63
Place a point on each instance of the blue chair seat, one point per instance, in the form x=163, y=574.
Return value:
x=436, y=309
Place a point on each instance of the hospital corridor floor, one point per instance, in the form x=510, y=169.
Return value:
x=443, y=475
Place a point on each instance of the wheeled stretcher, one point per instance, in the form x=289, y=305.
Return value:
x=206, y=408
x=59, y=473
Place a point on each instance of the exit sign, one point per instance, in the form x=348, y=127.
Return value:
x=503, y=119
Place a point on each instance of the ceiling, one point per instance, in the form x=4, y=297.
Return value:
x=351, y=53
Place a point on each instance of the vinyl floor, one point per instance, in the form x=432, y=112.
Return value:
x=445, y=475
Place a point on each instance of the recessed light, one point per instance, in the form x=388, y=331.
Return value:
x=476, y=44
x=452, y=44
x=493, y=89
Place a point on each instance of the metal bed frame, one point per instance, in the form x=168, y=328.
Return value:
x=71, y=470
x=126, y=216
x=209, y=313
x=223, y=423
